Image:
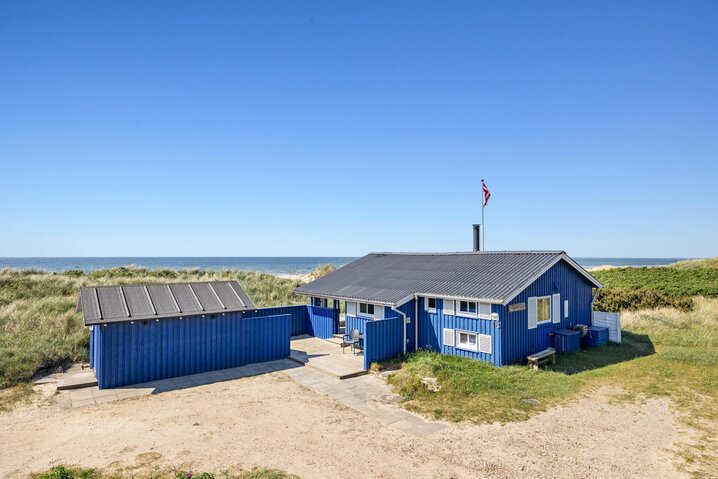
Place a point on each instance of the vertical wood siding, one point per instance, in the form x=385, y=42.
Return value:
x=431, y=326
x=407, y=309
x=383, y=339
x=355, y=322
x=519, y=341
x=299, y=316
x=321, y=322
x=128, y=353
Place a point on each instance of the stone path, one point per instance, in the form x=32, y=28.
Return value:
x=93, y=395
x=369, y=394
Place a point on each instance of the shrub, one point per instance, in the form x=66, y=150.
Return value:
x=624, y=299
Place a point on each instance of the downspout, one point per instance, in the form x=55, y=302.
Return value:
x=404, y=318
x=416, y=322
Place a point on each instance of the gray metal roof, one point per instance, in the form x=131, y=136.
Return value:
x=392, y=278
x=137, y=302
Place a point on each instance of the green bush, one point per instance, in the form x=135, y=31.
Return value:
x=675, y=282
x=624, y=299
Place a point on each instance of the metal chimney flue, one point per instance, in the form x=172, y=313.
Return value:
x=477, y=238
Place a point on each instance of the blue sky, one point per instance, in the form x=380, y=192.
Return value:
x=337, y=128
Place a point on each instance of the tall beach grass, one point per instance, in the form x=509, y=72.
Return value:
x=40, y=327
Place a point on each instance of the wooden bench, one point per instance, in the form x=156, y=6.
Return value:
x=537, y=359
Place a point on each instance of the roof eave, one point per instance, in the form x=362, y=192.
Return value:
x=562, y=256
x=345, y=298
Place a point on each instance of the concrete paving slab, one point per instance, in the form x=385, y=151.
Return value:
x=83, y=403
x=80, y=394
x=105, y=399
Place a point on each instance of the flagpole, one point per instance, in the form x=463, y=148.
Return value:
x=483, y=225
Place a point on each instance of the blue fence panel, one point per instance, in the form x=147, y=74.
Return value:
x=298, y=313
x=130, y=353
x=383, y=339
x=321, y=322
x=354, y=322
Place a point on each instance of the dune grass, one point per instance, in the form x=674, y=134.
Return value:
x=630, y=289
x=39, y=326
x=68, y=472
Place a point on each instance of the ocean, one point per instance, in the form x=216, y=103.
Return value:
x=272, y=265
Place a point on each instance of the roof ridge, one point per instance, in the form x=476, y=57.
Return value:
x=471, y=253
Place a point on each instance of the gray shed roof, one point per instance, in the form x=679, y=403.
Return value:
x=137, y=302
x=393, y=278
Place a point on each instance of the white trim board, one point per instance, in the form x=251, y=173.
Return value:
x=563, y=256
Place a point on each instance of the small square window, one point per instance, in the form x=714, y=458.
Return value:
x=467, y=341
x=366, y=308
x=431, y=304
x=467, y=307
x=370, y=309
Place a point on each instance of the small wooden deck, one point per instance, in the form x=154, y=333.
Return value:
x=326, y=357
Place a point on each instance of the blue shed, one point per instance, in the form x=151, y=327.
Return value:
x=147, y=332
x=495, y=306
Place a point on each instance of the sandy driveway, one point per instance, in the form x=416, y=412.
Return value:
x=272, y=421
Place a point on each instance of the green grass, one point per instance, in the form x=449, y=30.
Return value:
x=629, y=289
x=40, y=328
x=677, y=281
x=665, y=352
x=66, y=472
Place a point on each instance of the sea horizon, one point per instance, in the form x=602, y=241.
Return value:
x=278, y=265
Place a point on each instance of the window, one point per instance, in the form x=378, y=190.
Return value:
x=467, y=341
x=565, y=308
x=467, y=307
x=543, y=309
x=366, y=309
x=473, y=309
x=431, y=305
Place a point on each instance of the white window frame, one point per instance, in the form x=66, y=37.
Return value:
x=467, y=346
x=367, y=314
x=565, y=308
x=426, y=304
x=538, y=308
x=467, y=314
x=479, y=306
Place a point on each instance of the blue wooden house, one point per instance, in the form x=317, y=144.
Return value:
x=496, y=306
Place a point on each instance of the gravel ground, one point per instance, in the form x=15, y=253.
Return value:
x=272, y=421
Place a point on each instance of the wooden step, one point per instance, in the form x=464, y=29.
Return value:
x=77, y=380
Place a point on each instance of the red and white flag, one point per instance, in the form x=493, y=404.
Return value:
x=487, y=195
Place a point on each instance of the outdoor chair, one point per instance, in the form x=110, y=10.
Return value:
x=352, y=339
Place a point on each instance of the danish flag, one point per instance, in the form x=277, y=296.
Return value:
x=487, y=195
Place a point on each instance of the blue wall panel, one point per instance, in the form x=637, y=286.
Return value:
x=431, y=327
x=354, y=322
x=383, y=339
x=127, y=353
x=321, y=322
x=519, y=341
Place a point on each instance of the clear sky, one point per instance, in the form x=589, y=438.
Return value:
x=338, y=128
